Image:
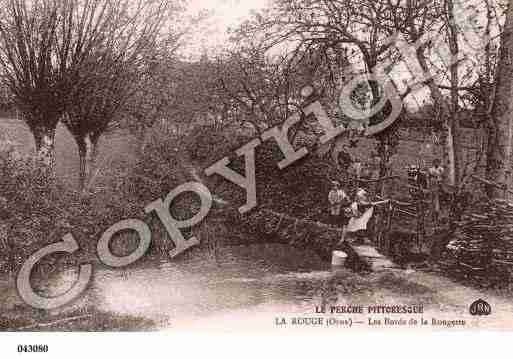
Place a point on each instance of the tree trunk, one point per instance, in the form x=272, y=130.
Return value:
x=449, y=151
x=87, y=153
x=44, y=137
x=499, y=154
x=453, y=145
x=384, y=147
x=82, y=154
x=92, y=142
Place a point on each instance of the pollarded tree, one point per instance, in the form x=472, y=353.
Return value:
x=47, y=45
x=92, y=110
x=29, y=67
x=117, y=65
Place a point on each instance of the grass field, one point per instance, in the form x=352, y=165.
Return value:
x=113, y=147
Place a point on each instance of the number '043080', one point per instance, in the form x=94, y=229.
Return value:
x=36, y=348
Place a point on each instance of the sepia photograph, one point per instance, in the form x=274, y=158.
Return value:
x=255, y=166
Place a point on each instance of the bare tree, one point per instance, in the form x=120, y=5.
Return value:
x=30, y=67
x=472, y=82
x=262, y=90
x=52, y=53
x=92, y=110
x=177, y=93
x=113, y=66
x=355, y=32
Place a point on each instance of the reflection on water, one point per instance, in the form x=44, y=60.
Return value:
x=243, y=278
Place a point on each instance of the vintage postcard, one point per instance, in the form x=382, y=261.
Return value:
x=283, y=166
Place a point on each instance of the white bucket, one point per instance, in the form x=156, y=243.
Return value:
x=338, y=258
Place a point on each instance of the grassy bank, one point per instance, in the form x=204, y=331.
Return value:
x=27, y=320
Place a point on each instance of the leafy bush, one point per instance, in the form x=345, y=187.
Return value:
x=33, y=209
x=300, y=190
x=36, y=209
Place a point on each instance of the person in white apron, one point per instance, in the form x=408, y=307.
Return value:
x=361, y=211
x=358, y=213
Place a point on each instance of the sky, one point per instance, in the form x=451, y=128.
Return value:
x=212, y=33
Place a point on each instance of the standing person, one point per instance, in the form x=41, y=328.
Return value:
x=361, y=203
x=359, y=213
x=344, y=159
x=337, y=199
x=356, y=171
x=436, y=173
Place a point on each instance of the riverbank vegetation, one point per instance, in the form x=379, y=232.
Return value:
x=124, y=74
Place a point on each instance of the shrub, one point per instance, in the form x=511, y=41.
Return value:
x=36, y=209
x=299, y=190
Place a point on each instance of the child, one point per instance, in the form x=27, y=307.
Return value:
x=337, y=199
